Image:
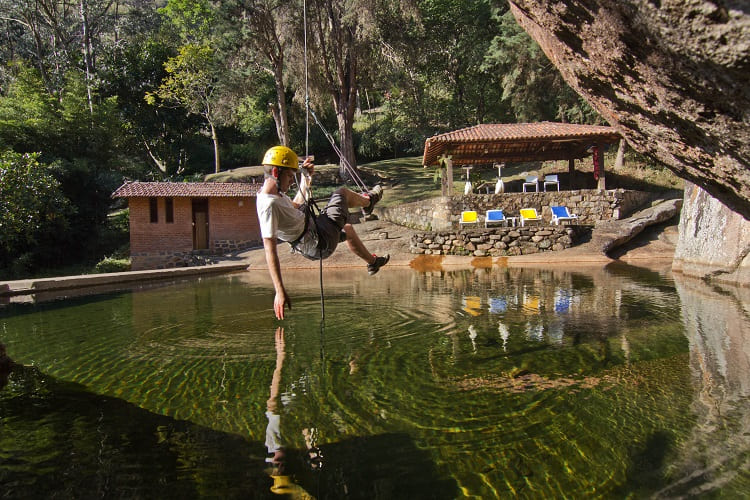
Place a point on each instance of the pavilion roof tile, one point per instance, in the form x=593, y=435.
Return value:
x=187, y=189
x=496, y=142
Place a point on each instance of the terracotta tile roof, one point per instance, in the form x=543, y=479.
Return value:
x=499, y=142
x=187, y=189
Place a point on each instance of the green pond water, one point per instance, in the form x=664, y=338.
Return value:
x=502, y=383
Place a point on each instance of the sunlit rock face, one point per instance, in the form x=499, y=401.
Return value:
x=672, y=75
x=714, y=242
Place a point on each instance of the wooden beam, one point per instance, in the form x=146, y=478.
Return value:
x=571, y=172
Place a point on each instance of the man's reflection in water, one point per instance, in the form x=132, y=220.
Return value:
x=278, y=458
x=6, y=365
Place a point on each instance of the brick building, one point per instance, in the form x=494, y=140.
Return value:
x=171, y=222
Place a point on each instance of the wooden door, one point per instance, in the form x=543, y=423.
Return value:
x=200, y=224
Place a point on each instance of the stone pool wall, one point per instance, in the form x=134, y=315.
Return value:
x=496, y=242
x=443, y=213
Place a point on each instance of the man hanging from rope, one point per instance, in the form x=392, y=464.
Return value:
x=293, y=221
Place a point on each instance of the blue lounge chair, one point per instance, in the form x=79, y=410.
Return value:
x=561, y=214
x=496, y=217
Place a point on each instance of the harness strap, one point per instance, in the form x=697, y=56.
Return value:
x=302, y=235
x=310, y=208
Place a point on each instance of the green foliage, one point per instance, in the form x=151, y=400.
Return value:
x=531, y=86
x=190, y=81
x=112, y=265
x=32, y=207
x=191, y=19
x=27, y=110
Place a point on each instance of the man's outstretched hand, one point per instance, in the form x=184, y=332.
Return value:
x=279, y=301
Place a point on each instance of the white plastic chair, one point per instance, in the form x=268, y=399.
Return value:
x=531, y=181
x=551, y=180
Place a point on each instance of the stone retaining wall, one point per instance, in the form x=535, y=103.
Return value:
x=443, y=213
x=497, y=242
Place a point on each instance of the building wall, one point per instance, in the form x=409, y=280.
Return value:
x=148, y=237
x=232, y=226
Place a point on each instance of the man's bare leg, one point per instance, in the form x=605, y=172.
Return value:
x=353, y=199
x=355, y=244
x=353, y=240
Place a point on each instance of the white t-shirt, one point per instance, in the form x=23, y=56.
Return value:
x=280, y=219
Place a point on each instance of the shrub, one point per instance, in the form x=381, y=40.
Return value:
x=112, y=265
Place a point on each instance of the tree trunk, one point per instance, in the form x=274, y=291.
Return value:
x=346, y=134
x=280, y=114
x=345, y=105
x=337, y=53
x=86, y=49
x=620, y=158
x=215, y=138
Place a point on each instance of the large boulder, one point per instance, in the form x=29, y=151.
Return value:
x=672, y=75
x=714, y=242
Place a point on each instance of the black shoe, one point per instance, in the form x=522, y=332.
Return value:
x=375, y=195
x=379, y=262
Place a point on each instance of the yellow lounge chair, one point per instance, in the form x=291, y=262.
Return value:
x=529, y=215
x=468, y=218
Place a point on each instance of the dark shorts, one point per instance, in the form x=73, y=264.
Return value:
x=330, y=223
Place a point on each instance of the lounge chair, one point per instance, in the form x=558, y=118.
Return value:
x=468, y=218
x=531, y=180
x=552, y=180
x=529, y=215
x=496, y=217
x=561, y=214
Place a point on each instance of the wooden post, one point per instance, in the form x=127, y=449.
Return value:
x=571, y=173
x=601, y=185
x=448, y=187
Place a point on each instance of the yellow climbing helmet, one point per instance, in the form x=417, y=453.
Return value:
x=281, y=156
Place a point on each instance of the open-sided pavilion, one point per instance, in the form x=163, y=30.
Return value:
x=519, y=142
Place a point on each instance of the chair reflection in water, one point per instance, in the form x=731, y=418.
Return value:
x=472, y=305
x=498, y=305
